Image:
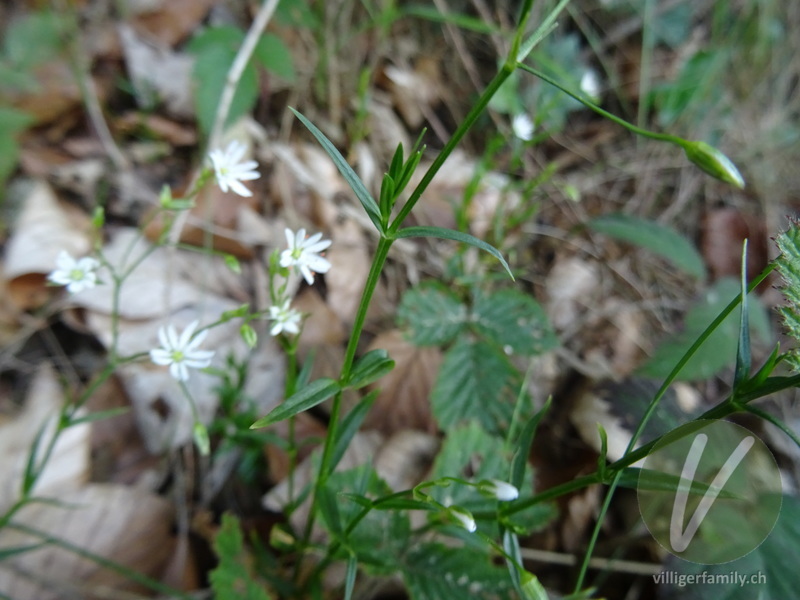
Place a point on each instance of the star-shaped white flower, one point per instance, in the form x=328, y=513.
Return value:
x=230, y=172
x=77, y=275
x=303, y=254
x=180, y=352
x=286, y=319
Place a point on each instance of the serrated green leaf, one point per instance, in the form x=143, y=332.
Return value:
x=457, y=236
x=381, y=537
x=514, y=321
x=232, y=580
x=719, y=350
x=369, y=368
x=470, y=453
x=346, y=170
x=275, y=56
x=314, y=393
x=433, y=571
x=474, y=384
x=432, y=313
x=659, y=239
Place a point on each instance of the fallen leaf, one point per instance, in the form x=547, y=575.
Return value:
x=68, y=467
x=44, y=228
x=350, y=261
x=128, y=526
x=404, y=398
x=171, y=21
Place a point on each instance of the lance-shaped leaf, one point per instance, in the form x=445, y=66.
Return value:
x=458, y=236
x=370, y=367
x=314, y=393
x=347, y=172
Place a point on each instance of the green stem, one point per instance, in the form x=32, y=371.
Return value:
x=443, y=155
x=775, y=421
x=326, y=466
x=664, y=137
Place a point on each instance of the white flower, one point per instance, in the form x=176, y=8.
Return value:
x=523, y=127
x=503, y=491
x=286, y=319
x=230, y=172
x=464, y=518
x=590, y=84
x=304, y=254
x=77, y=275
x=180, y=353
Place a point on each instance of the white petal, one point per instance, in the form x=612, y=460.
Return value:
x=179, y=371
x=299, y=237
x=196, y=341
x=289, y=237
x=311, y=241
x=64, y=261
x=186, y=336
x=276, y=328
x=287, y=260
x=318, y=264
x=239, y=188
x=160, y=357
x=318, y=247
x=172, y=338
x=307, y=274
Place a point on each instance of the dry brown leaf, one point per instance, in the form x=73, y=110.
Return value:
x=361, y=450
x=323, y=334
x=308, y=433
x=581, y=511
x=158, y=74
x=405, y=458
x=350, y=263
x=45, y=227
x=68, y=467
x=170, y=21
x=571, y=285
x=128, y=526
x=413, y=89
x=724, y=230
x=404, y=400
x=56, y=93
x=176, y=134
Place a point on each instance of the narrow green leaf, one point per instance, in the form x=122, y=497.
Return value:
x=232, y=263
x=396, y=166
x=347, y=172
x=314, y=393
x=743, y=357
x=403, y=504
x=369, y=368
x=524, y=443
x=7, y=553
x=458, y=236
x=350, y=576
x=659, y=481
x=659, y=239
x=513, y=558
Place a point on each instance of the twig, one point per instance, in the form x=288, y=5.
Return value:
x=237, y=68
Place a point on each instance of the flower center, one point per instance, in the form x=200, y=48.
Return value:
x=177, y=356
x=77, y=275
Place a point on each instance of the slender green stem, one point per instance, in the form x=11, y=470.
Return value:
x=326, y=466
x=664, y=137
x=651, y=410
x=775, y=421
x=473, y=115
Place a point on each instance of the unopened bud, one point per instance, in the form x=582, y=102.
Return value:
x=464, y=518
x=713, y=162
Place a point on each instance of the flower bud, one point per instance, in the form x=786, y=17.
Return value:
x=503, y=491
x=464, y=518
x=713, y=162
